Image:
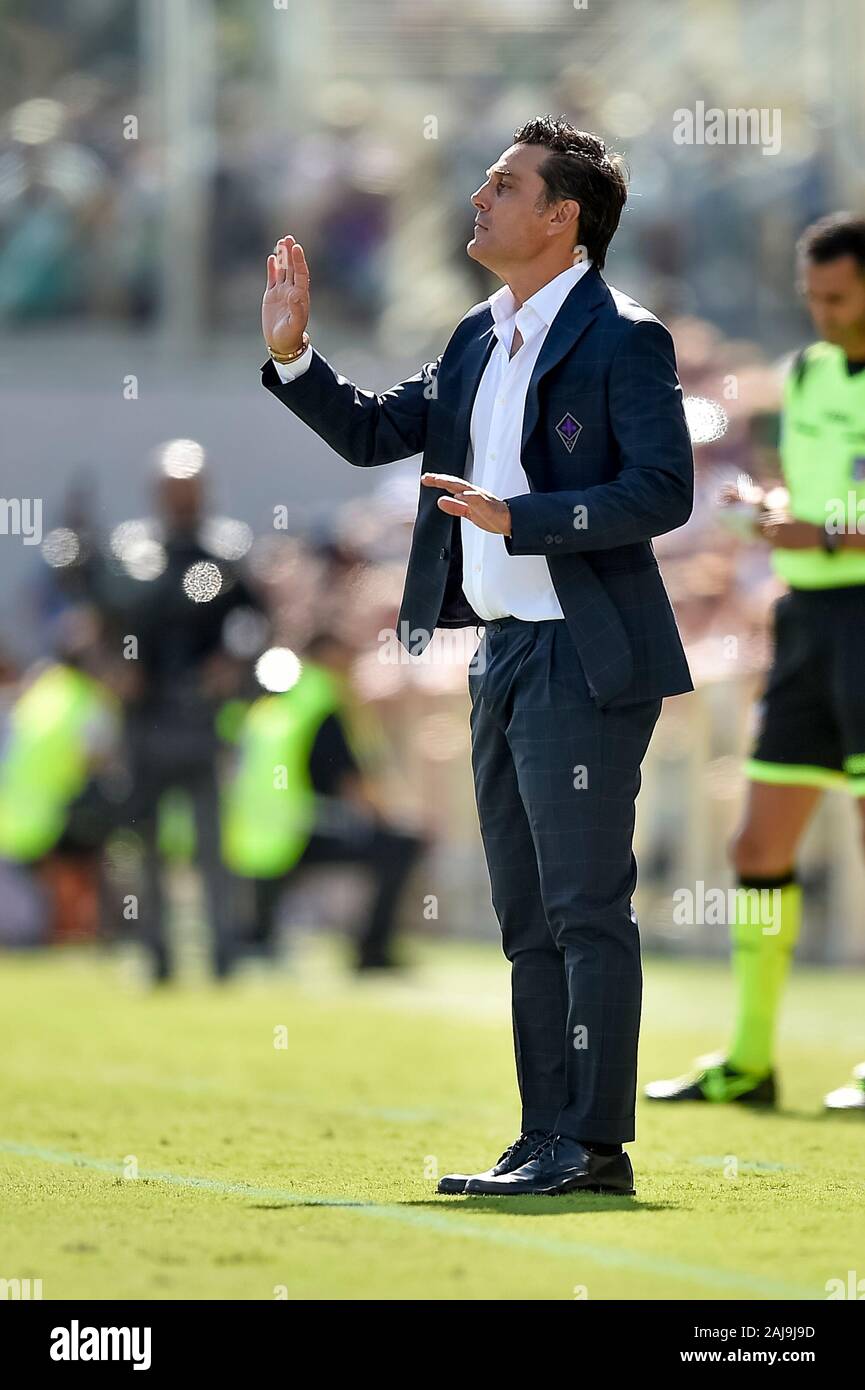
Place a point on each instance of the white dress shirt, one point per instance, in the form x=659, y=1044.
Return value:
x=496, y=584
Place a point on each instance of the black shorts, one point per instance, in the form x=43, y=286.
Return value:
x=812, y=714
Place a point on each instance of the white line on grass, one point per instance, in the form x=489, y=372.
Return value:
x=446, y=1225
x=744, y=1166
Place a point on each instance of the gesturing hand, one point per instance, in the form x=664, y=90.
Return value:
x=480, y=507
x=285, y=305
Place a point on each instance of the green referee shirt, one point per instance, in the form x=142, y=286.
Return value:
x=823, y=462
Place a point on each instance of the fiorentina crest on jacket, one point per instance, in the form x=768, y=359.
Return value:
x=569, y=430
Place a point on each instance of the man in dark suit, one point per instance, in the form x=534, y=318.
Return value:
x=555, y=447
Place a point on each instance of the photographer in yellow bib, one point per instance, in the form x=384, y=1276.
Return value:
x=60, y=736
x=812, y=714
x=300, y=797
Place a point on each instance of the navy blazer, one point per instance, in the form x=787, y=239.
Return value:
x=608, y=458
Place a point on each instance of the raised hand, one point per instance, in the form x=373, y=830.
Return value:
x=285, y=305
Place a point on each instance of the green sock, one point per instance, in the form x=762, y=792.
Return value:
x=761, y=960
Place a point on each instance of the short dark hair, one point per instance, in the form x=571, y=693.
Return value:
x=839, y=234
x=579, y=167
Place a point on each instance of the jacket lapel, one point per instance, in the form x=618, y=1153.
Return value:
x=566, y=329
x=474, y=362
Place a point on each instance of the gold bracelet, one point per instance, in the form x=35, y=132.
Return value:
x=290, y=356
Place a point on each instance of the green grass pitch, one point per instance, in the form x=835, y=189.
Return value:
x=308, y=1171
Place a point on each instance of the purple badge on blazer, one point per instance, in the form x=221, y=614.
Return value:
x=569, y=430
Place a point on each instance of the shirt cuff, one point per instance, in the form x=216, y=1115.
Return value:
x=289, y=371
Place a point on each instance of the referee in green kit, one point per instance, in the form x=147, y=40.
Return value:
x=812, y=716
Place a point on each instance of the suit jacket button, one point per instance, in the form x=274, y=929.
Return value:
x=558, y=540
x=548, y=540
x=443, y=554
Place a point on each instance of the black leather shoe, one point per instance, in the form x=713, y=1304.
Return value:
x=559, y=1165
x=512, y=1157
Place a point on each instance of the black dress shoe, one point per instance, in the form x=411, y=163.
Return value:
x=559, y=1165
x=376, y=963
x=513, y=1157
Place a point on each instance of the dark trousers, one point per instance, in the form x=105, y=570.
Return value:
x=388, y=854
x=556, y=780
x=162, y=759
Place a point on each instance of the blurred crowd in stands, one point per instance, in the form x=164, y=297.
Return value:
x=176, y=648
x=369, y=126
x=194, y=703
x=238, y=703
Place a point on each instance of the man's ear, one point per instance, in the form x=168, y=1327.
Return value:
x=567, y=215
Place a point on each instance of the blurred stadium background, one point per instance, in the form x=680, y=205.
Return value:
x=150, y=154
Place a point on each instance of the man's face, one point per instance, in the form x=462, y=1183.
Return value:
x=835, y=294
x=512, y=225
x=180, y=502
